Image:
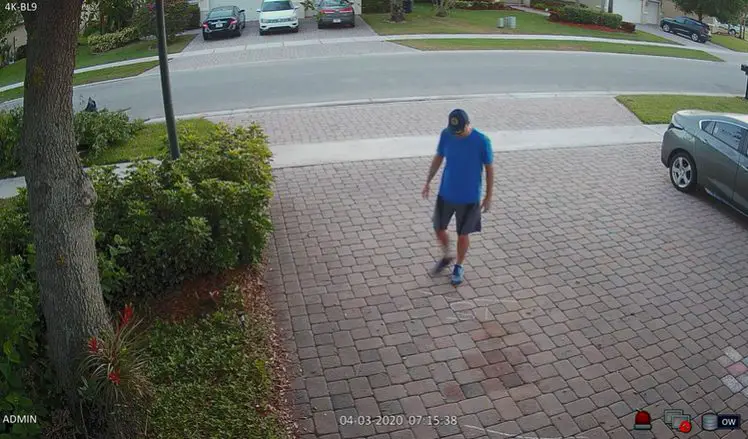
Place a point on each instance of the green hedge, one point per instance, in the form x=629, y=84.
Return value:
x=573, y=14
x=156, y=227
x=194, y=19
x=94, y=133
x=106, y=42
x=375, y=6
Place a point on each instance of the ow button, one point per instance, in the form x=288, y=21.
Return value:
x=728, y=422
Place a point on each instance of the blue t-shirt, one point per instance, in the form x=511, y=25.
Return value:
x=463, y=173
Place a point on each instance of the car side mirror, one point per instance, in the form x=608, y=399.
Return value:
x=258, y=10
x=241, y=11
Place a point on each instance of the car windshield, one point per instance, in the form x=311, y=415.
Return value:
x=276, y=6
x=220, y=13
x=334, y=4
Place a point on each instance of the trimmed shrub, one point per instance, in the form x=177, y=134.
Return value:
x=97, y=131
x=194, y=21
x=94, y=132
x=612, y=21
x=573, y=14
x=106, y=42
x=628, y=27
x=177, y=14
x=554, y=17
x=205, y=212
x=480, y=5
x=21, y=52
x=375, y=6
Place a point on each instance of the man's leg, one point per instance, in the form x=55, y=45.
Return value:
x=463, y=243
x=468, y=221
x=442, y=216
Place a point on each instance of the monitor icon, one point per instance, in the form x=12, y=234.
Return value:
x=677, y=420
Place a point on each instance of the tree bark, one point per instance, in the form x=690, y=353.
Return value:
x=396, y=11
x=61, y=196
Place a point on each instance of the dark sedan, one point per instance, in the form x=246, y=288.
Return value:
x=708, y=150
x=335, y=12
x=224, y=21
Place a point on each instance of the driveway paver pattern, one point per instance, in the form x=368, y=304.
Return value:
x=323, y=124
x=594, y=290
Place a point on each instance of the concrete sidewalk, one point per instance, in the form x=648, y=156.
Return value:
x=292, y=155
x=374, y=39
x=406, y=147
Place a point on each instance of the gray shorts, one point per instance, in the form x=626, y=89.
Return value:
x=468, y=216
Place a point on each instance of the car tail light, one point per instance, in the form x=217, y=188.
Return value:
x=205, y=25
x=346, y=10
x=327, y=11
x=232, y=22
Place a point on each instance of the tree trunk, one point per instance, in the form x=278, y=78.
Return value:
x=610, y=6
x=61, y=196
x=396, y=11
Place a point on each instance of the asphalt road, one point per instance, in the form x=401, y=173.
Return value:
x=412, y=74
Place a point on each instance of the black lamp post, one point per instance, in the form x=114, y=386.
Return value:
x=163, y=61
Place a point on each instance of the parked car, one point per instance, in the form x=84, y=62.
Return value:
x=732, y=29
x=278, y=15
x=223, y=21
x=708, y=150
x=694, y=29
x=335, y=12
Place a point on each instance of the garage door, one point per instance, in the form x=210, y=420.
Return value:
x=250, y=6
x=630, y=10
x=653, y=13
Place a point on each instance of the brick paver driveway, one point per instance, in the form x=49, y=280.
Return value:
x=595, y=289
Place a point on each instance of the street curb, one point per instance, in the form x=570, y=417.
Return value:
x=381, y=101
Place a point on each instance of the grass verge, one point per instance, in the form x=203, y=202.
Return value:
x=16, y=72
x=731, y=43
x=150, y=142
x=215, y=376
x=91, y=77
x=659, y=109
x=423, y=21
x=577, y=46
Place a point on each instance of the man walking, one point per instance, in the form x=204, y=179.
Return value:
x=468, y=152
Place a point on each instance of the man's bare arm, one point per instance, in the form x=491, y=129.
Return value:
x=489, y=181
x=436, y=163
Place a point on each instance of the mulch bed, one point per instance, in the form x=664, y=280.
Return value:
x=595, y=27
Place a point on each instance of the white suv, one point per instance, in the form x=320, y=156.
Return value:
x=278, y=15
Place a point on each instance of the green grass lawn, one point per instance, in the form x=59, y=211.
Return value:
x=486, y=44
x=731, y=43
x=149, y=143
x=85, y=58
x=92, y=76
x=423, y=21
x=659, y=109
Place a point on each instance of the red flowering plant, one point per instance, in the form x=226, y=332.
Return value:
x=113, y=371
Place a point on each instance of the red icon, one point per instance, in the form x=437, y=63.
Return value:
x=643, y=421
x=685, y=427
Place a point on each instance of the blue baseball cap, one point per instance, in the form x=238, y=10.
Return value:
x=458, y=120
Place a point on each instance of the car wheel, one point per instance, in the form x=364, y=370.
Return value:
x=205, y=37
x=695, y=37
x=262, y=32
x=319, y=25
x=683, y=172
x=733, y=33
x=295, y=30
x=353, y=24
x=666, y=28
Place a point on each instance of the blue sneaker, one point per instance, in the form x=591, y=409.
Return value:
x=458, y=275
x=441, y=265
